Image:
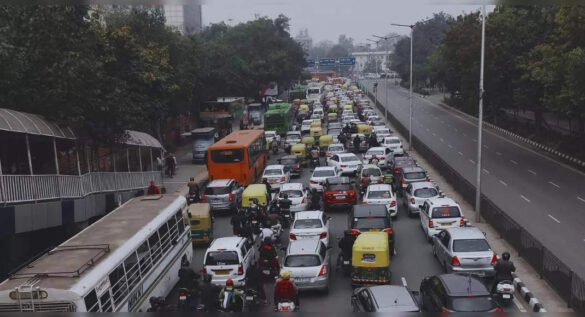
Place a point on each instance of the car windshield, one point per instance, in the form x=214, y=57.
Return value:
x=415, y=175
x=379, y=194
x=304, y=260
x=307, y=224
x=370, y=223
x=270, y=135
x=349, y=159
x=446, y=212
x=470, y=245
x=391, y=141
x=335, y=148
x=291, y=193
x=382, y=131
x=367, y=172
x=222, y=258
x=324, y=173
x=473, y=304
x=376, y=152
x=425, y=192
x=272, y=172
x=293, y=137
x=288, y=161
x=217, y=191
x=337, y=187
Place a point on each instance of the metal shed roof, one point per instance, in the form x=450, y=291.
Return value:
x=22, y=122
x=142, y=139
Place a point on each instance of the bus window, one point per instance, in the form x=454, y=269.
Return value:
x=144, y=258
x=173, y=232
x=106, y=302
x=227, y=156
x=132, y=270
x=165, y=239
x=91, y=302
x=118, y=282
x=180, y=222
x=155, y=249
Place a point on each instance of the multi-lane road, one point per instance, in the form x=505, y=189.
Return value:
x=546, y=197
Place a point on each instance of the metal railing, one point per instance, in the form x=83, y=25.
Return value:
x=27, y=188
x=568, y=284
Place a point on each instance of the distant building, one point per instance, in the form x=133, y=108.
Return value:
x=362, y=58
x=304, y=39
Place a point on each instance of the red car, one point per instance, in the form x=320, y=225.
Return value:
x=339, y=192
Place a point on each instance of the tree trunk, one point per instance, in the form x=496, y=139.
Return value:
x=538, y=118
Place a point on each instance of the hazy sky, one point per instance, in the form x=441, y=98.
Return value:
x=327, y=19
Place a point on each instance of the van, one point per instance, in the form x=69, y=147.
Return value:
x=440, y=213
x=229, y=258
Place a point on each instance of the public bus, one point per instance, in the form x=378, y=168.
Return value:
x=114, y=265
x=279, y=118
x=314, y=92
x=202, y=138
x=241, y=155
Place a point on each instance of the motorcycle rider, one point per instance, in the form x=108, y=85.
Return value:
x=346, y=244
x=267, y=184
x=209, y=293
x=268, y=252
x=254, y=281
x=374, y=140
x=504, y=269
x=315, y=199
x=314, y=156
x=356, y=143
x=237, y=223
x=229, y=287
x=286, y=290
x=285, y=203
x=274, y=144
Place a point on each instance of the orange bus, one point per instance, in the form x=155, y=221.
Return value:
x=241, y=155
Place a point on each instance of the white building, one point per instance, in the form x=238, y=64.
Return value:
x=362, y=58
x=304, y=39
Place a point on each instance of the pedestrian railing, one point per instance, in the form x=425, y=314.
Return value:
x=568, y=284
x=28, y=188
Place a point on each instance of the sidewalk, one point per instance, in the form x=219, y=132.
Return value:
x=185, y=170
x=551, y=301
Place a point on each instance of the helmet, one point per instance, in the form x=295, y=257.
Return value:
x=207, y=278
x=153, y=301
x=285, y=275
x=229, y=282
x=506, y=256
x=285, y=196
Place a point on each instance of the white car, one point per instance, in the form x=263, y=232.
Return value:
x=270, y=135
x=381, y=194
x=394, y=144
x=415, y=195
x=312, y=224
x=320, y=174
x=229, y=258
x=347, y=163
x=309, y=264
x=277, y=175
x=292, y=138
x=306, y=126
x=297, y=194
x=438, y=214
x=335, y=148
x=373, y=118
x=383, y=154
x=319, y=111
x=315, y=116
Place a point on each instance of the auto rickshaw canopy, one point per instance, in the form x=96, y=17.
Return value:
x=371, y=249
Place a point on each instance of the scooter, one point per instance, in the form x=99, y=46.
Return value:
x=344, y=263
x=276, y=233
x=286, y=306
x=252, y=300
x=228, y=303
x=505, y=292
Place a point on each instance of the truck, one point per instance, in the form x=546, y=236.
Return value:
x=279, y=118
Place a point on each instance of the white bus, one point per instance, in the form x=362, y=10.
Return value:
x=314, y=92
x=114, y=265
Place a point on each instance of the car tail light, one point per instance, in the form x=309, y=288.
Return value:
x=455, y=261
x=393, y=203
x=303, y=200
x=343, y=166
x=203, y=198
x=204, y=271
x=494, y=260
x=292, y=236
x=499, y=310
x=183, y=292
x=297, y=166
x=364, y=202
x=462, y=222
x=389, y=231
x=402, y=181
x=354, y=232
x=231, y=196
x=282, y=178
x=323, y=235
x=431, y=224
x=240, y=269
x=313, y=182
x=323, y=270
x=412, y=201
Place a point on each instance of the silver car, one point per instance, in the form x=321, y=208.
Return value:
x=464, y=250
x=415, y=195
x=309, y=264
x=223, y=194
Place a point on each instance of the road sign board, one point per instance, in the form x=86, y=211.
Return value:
x=347, y=61
x=327, y=62
x=310, y=63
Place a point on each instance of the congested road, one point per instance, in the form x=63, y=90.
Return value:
x=544, y=196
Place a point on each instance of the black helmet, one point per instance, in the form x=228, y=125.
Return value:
x=207, y=278
x=153, y=301
x=506, y=256
x=285, y=196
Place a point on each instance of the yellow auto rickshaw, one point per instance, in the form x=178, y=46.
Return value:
x=364, y=129
x=333, y=109
x=332, y=117
x=201, y=223
x=304, y=107
x=370, y=259
x=300, y=150
x=316, y=132
x=324, y=142
x=257, y=191
x=308, y=141
x=316, y=123
x=348, y=107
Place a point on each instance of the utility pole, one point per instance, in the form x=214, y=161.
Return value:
x=386, y=38
x=480, y=121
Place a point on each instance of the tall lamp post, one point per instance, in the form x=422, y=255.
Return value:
x=386, y=38
x=480, y=121
x=376, y=84
x=410, y=85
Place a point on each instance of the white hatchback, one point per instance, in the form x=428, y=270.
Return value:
x=297, y=194
x=335, y=148
x=320, y=175
x=381, y=194
x=276, y=175
x=310, y=225
x=438, y=214
x=394, y=144
x=348, y=163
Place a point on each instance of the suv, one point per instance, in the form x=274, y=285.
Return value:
x=338, y=192
x=408, y=175
x=438, y=214
x=223, y=194
x=456, y=293
x=229, y=257
x=372, y=218
x=309, y=263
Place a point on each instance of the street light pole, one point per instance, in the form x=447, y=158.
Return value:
x=387, y=58
x=410, y=84
x=480, y=121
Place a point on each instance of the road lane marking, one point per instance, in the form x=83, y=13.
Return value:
x=428, y=130
x=442, y=140
x=503, y=183
x=464, y=134
x=527, y=200
x=581, y=199
x=472, y=161
x=434, y=134
x=499, y=154
x=474, y=140
x=513, y=162
x=404, y=282
x=486, y=171
x=450, y=146
x=519, y=306
x=456, y=130
x=553, y=218
x=485, y=146
x=460, y=153
x=532, y=172
x=555, y=185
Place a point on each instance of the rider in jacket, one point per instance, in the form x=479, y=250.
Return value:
x=286, y=290
x=504, y=269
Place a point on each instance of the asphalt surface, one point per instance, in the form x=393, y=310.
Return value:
x=544, y=196
x=412, y=262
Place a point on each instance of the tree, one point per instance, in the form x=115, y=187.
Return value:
x=345, y=42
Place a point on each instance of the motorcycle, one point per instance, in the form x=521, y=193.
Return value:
x=269, y=268
x=286, y=218
x=505, y=292
x=314, y=162
x=345, y=263
x=184, y=302
x=252, y=300
x=232, y=301
x=191, y=198
x=286, y=306
x=274, y=148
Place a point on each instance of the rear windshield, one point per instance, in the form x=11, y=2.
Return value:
x=339, y=187
x=324, y=173
x=391, y=141
x=415, y=175
x=426, y=192
x=383, y=131
x=293, y=137
x=371, y=172
x=349, y=159
x=291, y=193
x=308, y=224
x=470, y=245
x=227, y=156
x=446, y=212
x=473, y=304
x=370, y=223
x=335, y=148
x=289, y=161
x=306, y=260
x=222, y=258
x=217, y=191
x=379, y=194
x=272, y=172
x=377, y=153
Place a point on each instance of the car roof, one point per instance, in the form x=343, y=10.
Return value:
x=292, y=156
x=288, y=186
x=362, y=211
x=225, y=243
x=308, y=214
x=392, y=138
x=324, y=168
x=460, y=233
x=274, y=167
x=462, y=285
x=419, y=185
x=442, y=201
x=411, y=169
x=338, y=180
x=377, y=148
x=347, y=155
x=220, y=182
x=390, y=298
x=303, y=246
x=370, y=166
x=270, y=131
x=379, y=187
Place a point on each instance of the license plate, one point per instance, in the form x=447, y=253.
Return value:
x=345, y=262
x=222, y=272
x=506, y=296
x=302, y=280
x=182, y=297
x=340, y=196
x=266, y=271
x=249, y=298
x=272, y=181
x=445, y=224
